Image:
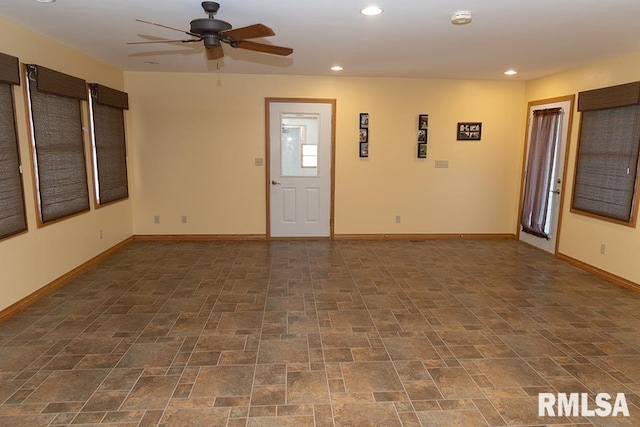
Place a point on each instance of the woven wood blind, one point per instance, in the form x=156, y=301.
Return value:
x=110, y=97
x=9, y=69
x=60, y=84
x=609, y=97
x=60, y=161
x=110, y=145
x=607, y=163
x=12, y=212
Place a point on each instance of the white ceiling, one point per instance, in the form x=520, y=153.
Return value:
x=412, y=38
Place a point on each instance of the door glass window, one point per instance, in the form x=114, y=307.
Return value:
x=299, y=144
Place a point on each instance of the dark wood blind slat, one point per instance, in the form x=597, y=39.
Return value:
x=57, y=83
x=9, y=69
x=110, y=97
x=609, y=97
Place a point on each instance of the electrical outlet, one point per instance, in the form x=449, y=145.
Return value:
x=156, y=219
x=100, y=233
x=259, y=161
x=442, y=164
x=184, y=219
x=398, y=219
x=603, y=247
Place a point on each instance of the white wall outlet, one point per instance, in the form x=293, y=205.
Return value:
x=398, y=219
x=184, y=219
x=259, y=161
x=156, y=219
x=603, y=247
x=442, y=164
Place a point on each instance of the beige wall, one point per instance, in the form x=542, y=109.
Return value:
x=34, y=259
x=194, y=137
x=581, y=236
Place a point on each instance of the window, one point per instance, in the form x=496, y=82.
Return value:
x=607, y=161
x=309, y=156
x=12, y=212
x=56, y=124
x=108, y=143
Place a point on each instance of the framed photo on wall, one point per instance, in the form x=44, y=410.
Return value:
x=423, y=129
x=422, y=150
x=469, y=131
x=364, y=120
x=423, y=122
x=364, y=149
x=364, y=135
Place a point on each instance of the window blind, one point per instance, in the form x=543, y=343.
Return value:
x=59, y=150
x=607, y=163
x=9, y=69
x=109, y=143
x=12, y=211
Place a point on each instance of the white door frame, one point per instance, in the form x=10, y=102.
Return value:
x=268, y=102
x=564, y=185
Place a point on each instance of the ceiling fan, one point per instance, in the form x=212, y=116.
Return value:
x=213, y=32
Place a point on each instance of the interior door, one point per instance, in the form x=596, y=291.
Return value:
x=300, y=139
x=555, y=196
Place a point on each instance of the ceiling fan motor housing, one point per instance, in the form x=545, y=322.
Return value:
x=206, y=26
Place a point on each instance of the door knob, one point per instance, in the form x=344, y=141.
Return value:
x=274, y=182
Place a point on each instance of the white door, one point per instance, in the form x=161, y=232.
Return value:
x=300, y=144
x=555, y=194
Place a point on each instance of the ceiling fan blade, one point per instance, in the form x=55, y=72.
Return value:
x=167, y=41
x=170, y=28
x=251, y=32
x=214, y=52
x=265, y=48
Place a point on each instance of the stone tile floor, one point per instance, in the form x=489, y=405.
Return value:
x=319, y=333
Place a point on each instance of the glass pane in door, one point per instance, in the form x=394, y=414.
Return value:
x=299, y=144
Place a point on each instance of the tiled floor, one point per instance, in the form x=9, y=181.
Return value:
x=388, y=333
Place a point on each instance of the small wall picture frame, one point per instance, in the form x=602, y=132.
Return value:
x=469, y=131
x=363, y=134
x=364, y=120
x=422, y=150
x=423, y=122
x=423, y=135
x=364, y=149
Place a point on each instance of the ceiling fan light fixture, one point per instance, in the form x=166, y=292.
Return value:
x=371, y=11
x=461, y=17
x=337, y=68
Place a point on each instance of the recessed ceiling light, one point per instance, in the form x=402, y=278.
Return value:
x=461, y=17
x=371, y=11
x=336, y=68
x=510, y=72
x=46, y=1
